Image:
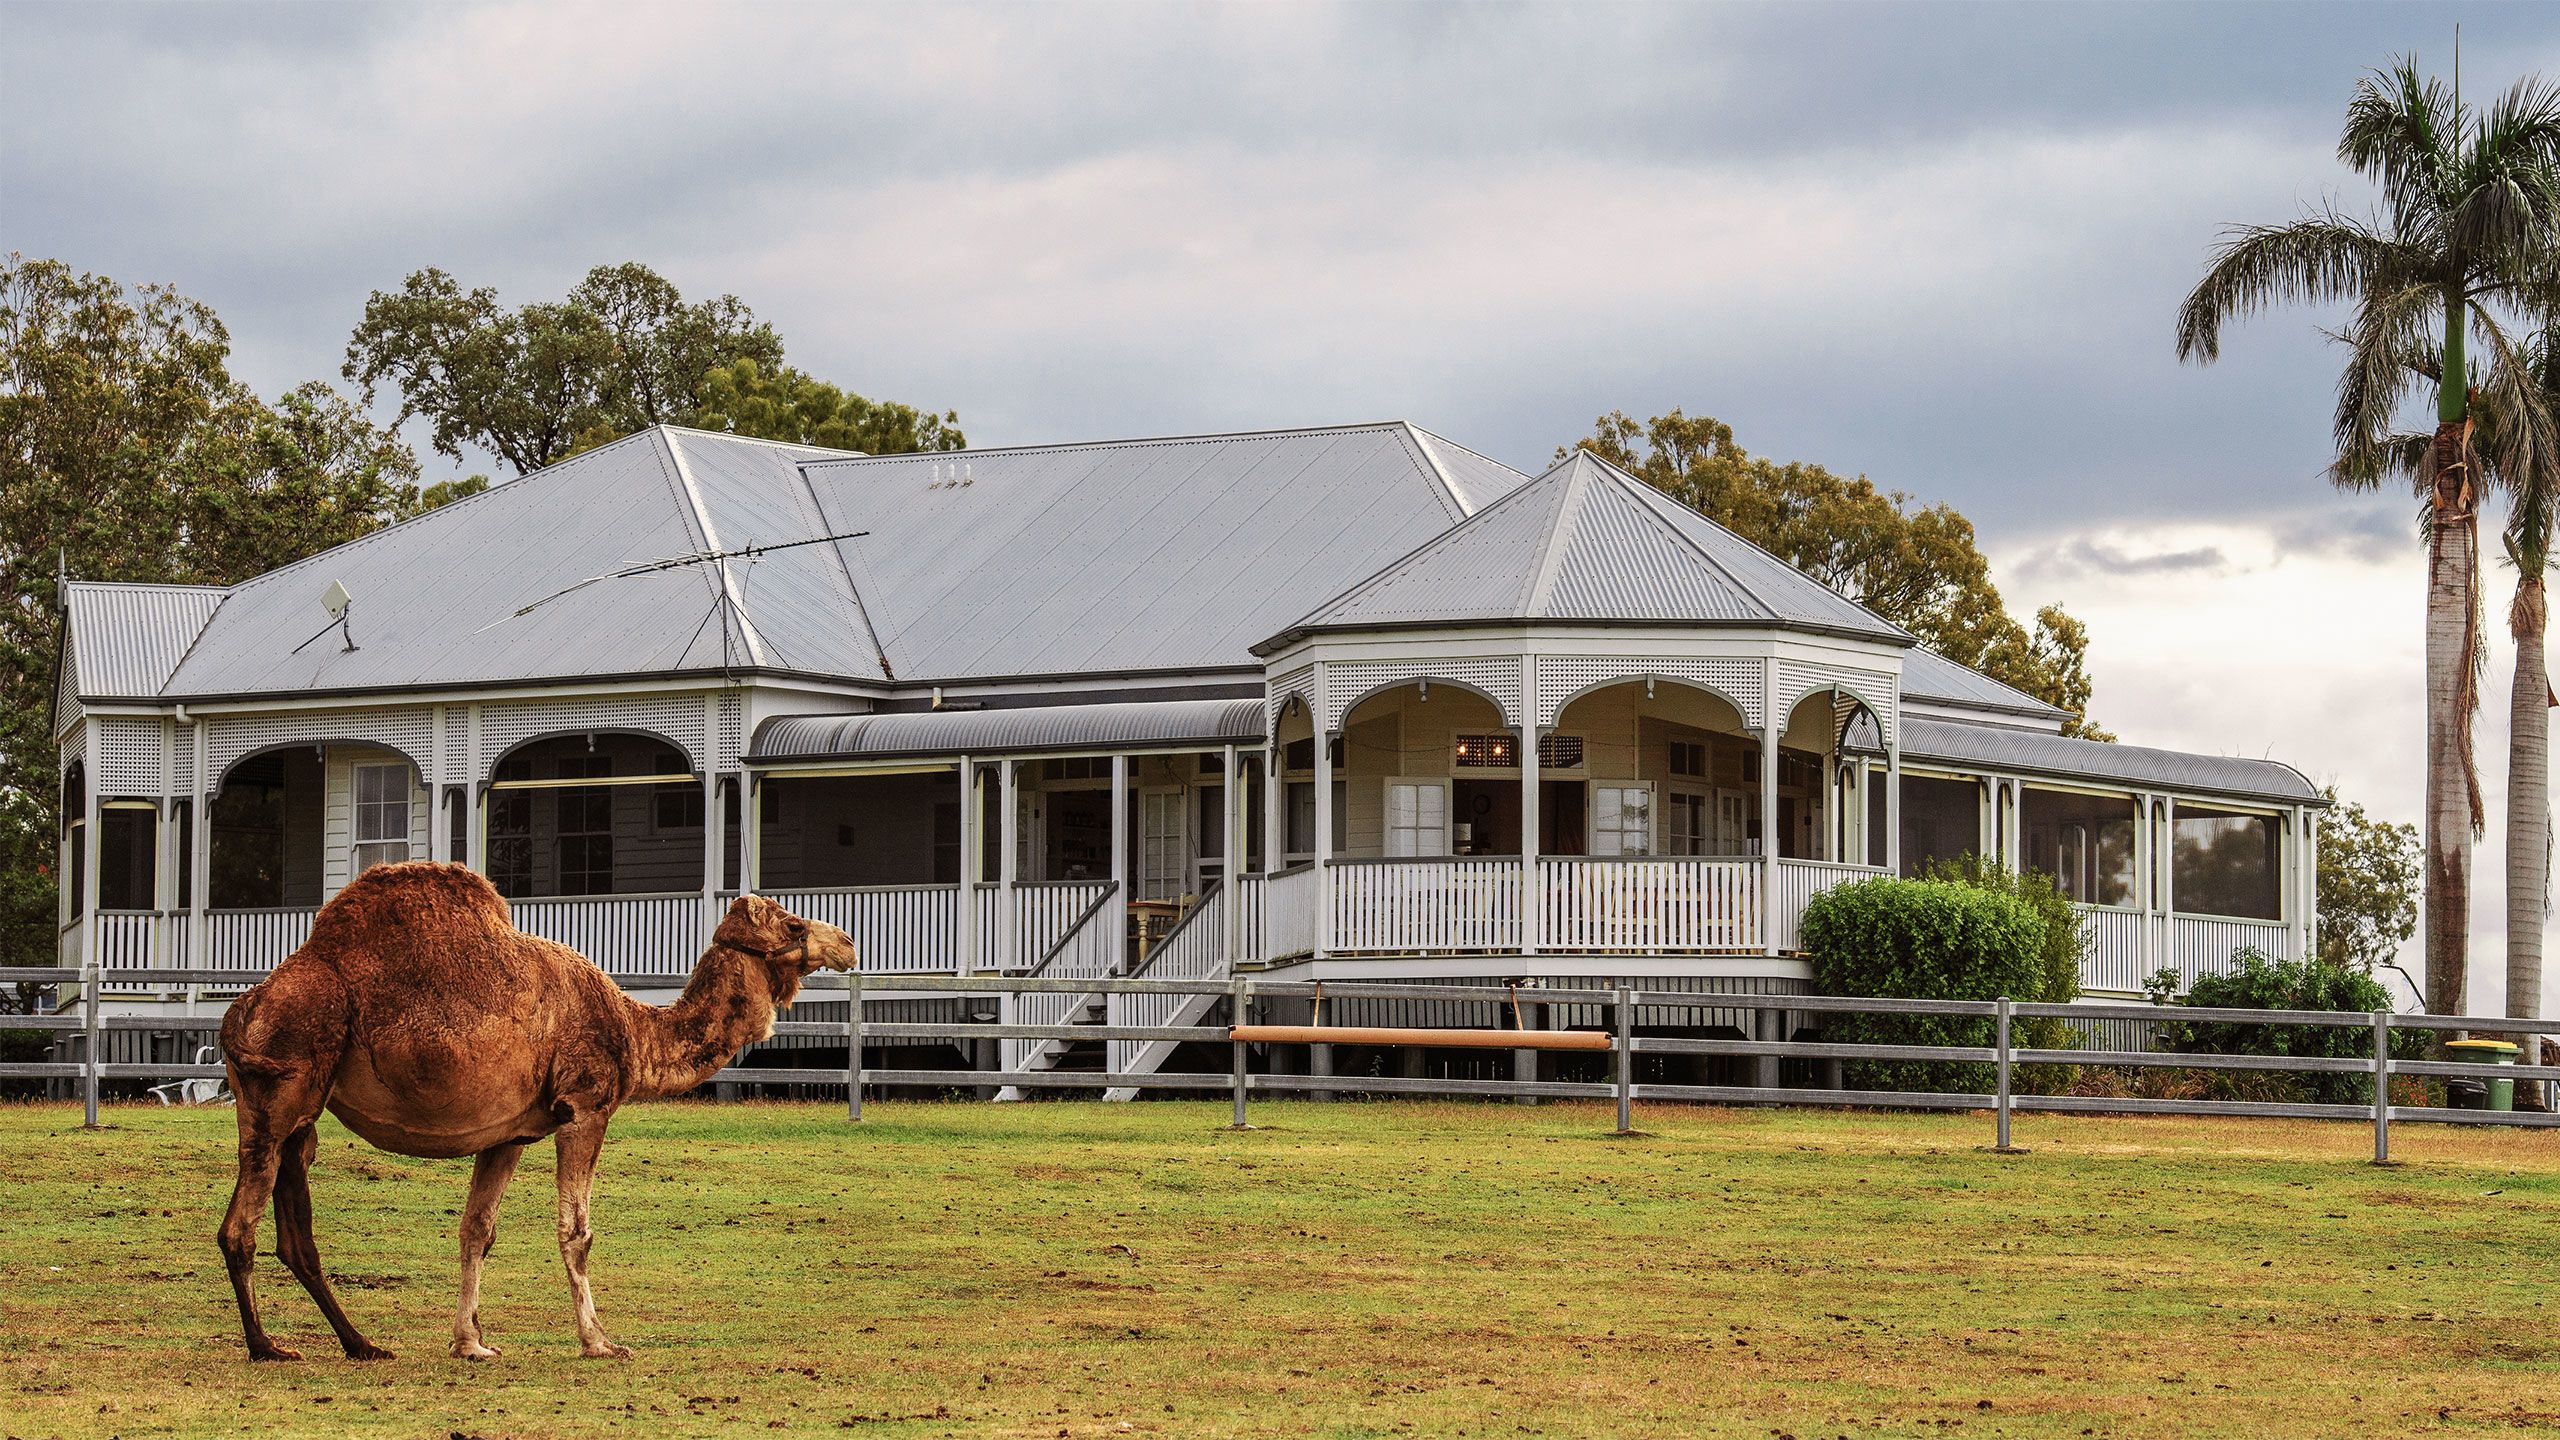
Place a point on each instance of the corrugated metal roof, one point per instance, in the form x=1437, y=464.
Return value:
x=434, y=596
x=1998, y=747
x=1928, y=675
x=1479, y=480
x=1587, y=541
x=1122, y=557
x=1010, y=731
x=125, y=639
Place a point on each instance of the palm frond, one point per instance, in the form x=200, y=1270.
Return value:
x=2402, y=130
x=2389, y=353
x=2319, y=259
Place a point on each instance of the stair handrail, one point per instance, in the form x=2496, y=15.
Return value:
x=1164, y=942
x=1067, y=937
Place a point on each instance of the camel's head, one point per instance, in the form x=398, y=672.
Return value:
x=787, y=945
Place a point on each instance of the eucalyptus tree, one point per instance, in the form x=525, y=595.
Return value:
x=2461, y=244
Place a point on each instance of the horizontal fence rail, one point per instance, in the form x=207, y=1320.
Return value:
x=1183, y=1001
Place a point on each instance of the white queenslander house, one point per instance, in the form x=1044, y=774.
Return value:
x=1317, y=704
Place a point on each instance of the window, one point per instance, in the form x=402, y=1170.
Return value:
x=675, y=806
x=75, y=836
x=1559, y=752
x=1488, y=752
x=1621, y=820
x=1077, y=767
x=381, y=815
x=1689, y=822
x=2085, y=842
x=1417, y=817
x=511, y=842
x=1689, y=758
x=1301, y=836
x=584, y=835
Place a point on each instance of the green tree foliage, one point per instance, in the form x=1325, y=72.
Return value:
x=128, y=452
x=1919, y=568
x=622, y=351
x=745, y=398
x=1923, y=940
x=2370, y=874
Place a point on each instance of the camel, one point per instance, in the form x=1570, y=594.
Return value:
x=428, y=1024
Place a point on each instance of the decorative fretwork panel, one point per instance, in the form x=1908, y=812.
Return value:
x=1798, y=679
x=228, y=738
x=1561, y=677
x=733, y=732
x=1348, y=683
x=457, y=746
x=1297, y=684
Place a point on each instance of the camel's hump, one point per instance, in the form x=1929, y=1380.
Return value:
x=413, y=899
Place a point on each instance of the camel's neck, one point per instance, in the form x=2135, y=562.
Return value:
x=726, y=1006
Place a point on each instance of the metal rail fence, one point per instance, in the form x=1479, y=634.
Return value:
x=1239, y=1082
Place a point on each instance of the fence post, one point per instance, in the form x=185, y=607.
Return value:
x=853, y=1045
x=93, y=973
x=1625, y=1039
x=2001, y=1027
x=1243, y=1000
x=2381, y=1087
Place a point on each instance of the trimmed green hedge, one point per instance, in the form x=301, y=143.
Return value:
x=1923, y=940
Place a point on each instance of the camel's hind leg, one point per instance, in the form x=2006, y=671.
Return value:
x=298, y=1248
x=489, y=1175
x=578, y=1145
x=273, y=1107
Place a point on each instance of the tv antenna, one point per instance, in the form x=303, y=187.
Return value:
x=341, y=605
x=671, y=562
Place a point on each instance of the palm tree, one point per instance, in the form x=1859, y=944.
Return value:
x=2533, y=494
x=2464, y=238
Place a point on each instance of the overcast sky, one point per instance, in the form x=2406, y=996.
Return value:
x=1938, y=244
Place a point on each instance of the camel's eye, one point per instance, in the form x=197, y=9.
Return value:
x=798, y=927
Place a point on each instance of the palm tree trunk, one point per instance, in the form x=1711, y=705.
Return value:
x=2528, y=802
x=2453, y=698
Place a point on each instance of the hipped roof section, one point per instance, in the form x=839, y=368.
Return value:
x=1586, y=541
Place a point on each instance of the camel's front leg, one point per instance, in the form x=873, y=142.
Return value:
x=578, y=1145
x=489, y=1175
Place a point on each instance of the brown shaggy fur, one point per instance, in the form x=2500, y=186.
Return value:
x=426, y=1022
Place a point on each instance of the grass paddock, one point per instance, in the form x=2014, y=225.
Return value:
x=1350, y=1270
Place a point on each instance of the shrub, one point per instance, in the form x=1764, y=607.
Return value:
x=1922, y=940
x=2066, y=950
x=2262, y=983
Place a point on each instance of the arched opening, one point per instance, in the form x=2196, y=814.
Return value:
x=1426, y=769
x=1649, y=767
x=289, y=826
x=1293, y=740
x=595, y=813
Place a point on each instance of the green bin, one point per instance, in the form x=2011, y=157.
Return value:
x=2502, y=1093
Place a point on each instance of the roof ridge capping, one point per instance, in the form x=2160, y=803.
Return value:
x=1123, y=442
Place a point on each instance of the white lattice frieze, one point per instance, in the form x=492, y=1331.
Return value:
x=678, y=718
x=1798, y=679
x=230, y=738
x=457, y=746
x=1740, y=682
x=1298, y=684
x=732, y=743
x=1346, y=684
x=130, y=756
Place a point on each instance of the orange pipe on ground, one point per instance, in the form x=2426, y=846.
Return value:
x=1389, y=1035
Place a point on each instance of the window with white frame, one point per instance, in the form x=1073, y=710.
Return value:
x=1689, y=828
x=381, y=815
x=1417, y=817
x=1621, y=820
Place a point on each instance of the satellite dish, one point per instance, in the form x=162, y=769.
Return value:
x=335, y=599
